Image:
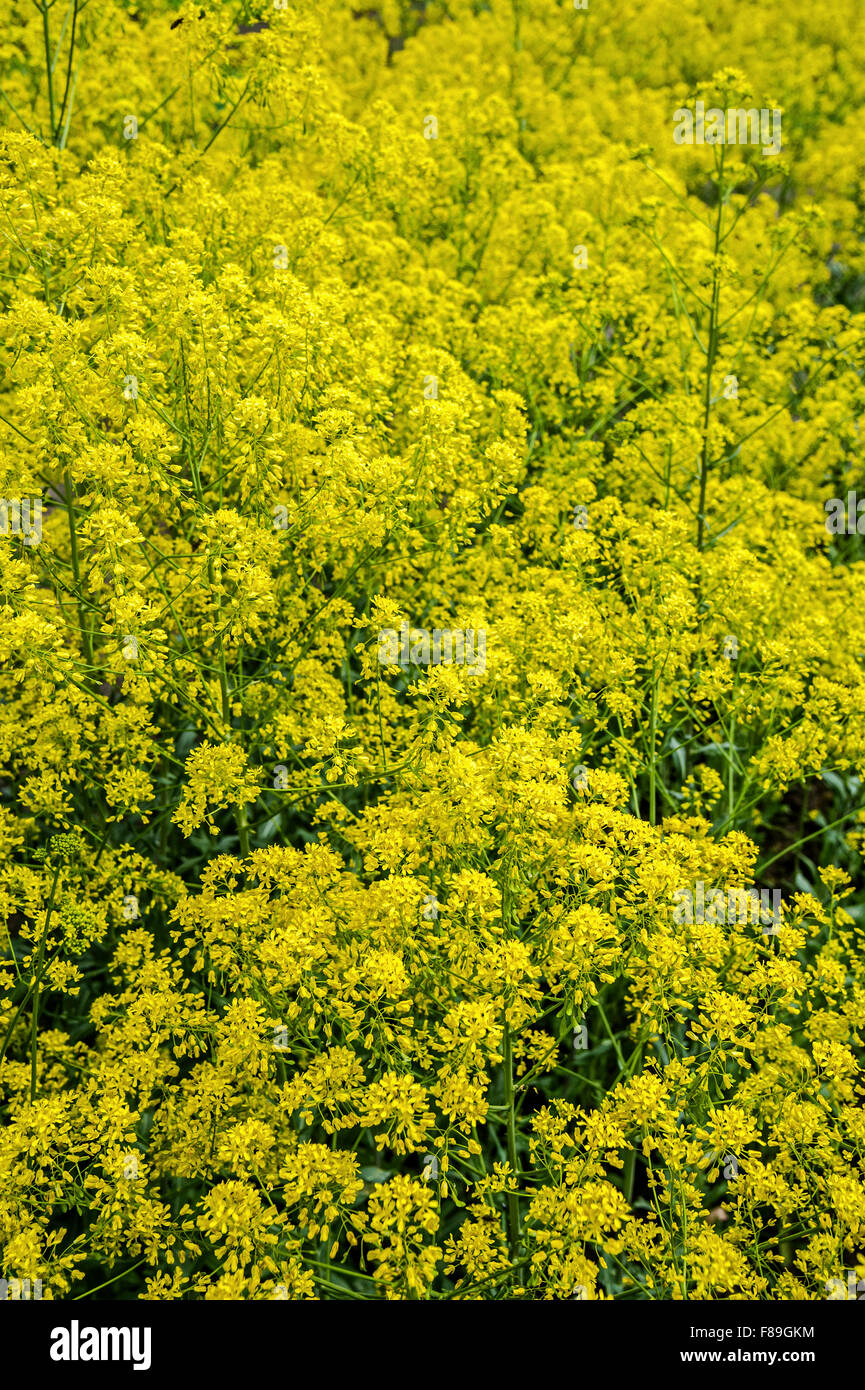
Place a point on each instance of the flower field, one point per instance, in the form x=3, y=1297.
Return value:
x=432, y=650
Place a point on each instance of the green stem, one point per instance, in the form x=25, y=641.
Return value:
x=57, y=132
x=86, y=634
x=788, y=849
x=513, y=1161
x=37, y=979
x=113, y=1280
x=242, y=831
x=611, y=1035
x=653, y=733
x=711, y=352
x=630, y=1167
x=15, y=1017
x=49, y=69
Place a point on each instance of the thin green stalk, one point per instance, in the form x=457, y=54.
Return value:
x=788, y=849
x=15, y=1017
x=37, y=979
x=711, y=352
x=49, y=66
x=628, y=1176
x=514, y=1234
x=113, y=1280
x=653, y=733
x=57, y=131
x=242, y=831
x=611, y=1035
x=86, y=633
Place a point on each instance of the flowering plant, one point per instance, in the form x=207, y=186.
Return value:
x=325, y=975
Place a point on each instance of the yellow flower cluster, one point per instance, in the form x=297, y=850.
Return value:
x=329, y=976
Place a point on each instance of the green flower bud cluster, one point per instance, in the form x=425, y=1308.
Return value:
x=66, y=848
x=80, y=927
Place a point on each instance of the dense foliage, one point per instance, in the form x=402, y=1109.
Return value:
x=330, y=975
